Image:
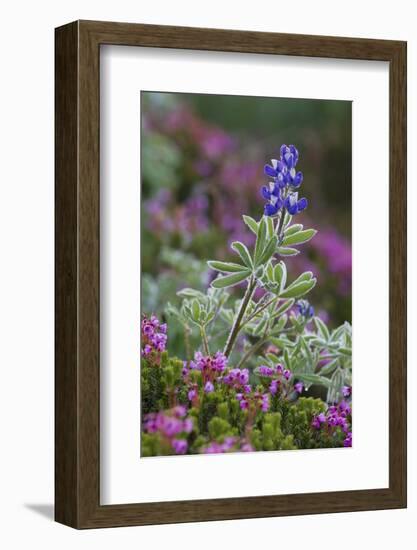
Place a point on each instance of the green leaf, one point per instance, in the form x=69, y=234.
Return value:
x=280, y=274
x=285, y=306
x=230, y=280
x=251, y=223
x=269, y=227
x=270, y=272
x=243, y=252
x=295, y=228
x=269, y=250
x=329, y=368
x=345, y=351
x=196, y=309
x=322, y=329
x=226, y=267
x=312, y=379
x=190, y=293
x=298, y=290
x=283, y=251
x=260, y=241
x=299, y=238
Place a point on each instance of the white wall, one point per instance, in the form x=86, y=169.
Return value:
x=26, y=270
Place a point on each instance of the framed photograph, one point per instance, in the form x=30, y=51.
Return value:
x=230, y=274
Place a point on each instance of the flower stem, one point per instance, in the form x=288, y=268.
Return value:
x=237, y=322
x=258, y=311
x=204, y=339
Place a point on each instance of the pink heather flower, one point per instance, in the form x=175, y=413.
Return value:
x=243, y=404
x=299, y=387
x=247, y=448
x=146, y=350
x=263, y=370
x=347, y=391
x=172, y=426
x=192, y=394
x=180, y=446
x=348, y=440
x=179, y=411
x=265, y=402
x=188, y=425
x=208, y=388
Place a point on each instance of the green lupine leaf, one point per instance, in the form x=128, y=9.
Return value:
x=243, y=252
x=251, y=223
x=270, y=272
x=322, y=329
x=196, y=309
x=269, y=250
x=269, y=227
x=299, y=238
x=285, y=251
x=306, y=276
x=260, y=241
x=230, y=280
x=295, y=228
x=280, y=274
x=312, y=378
x=261, y=326
x=329, y=368
x=298, y=290
x=226, y=267
x=285, y=306
x=190, y=293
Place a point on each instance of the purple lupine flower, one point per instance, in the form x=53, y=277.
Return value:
x=348, y=440
x=180, y=446
x=318, y=421
x=305, y=309
x=293, y=205
x=280, y=191
x=299, y=387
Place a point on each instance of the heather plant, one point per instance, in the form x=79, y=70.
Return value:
x=255, y=391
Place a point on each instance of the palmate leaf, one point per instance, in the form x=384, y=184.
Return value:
x=225, y=267
x=243, y=252
x=230, y=280
x=299, y=237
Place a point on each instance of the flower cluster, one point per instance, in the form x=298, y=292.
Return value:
x=254, y=401
x=230, y=444
x=209, y=366
x=336, y=416
x=280, y=193
x=154, y=337
x=172, y=426
x=237, y=379
x=279, y=380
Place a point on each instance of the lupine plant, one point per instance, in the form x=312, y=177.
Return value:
x=259, y=391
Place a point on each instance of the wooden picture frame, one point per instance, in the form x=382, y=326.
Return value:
x=77, y=374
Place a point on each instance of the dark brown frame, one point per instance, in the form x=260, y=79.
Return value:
x=77, y=373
